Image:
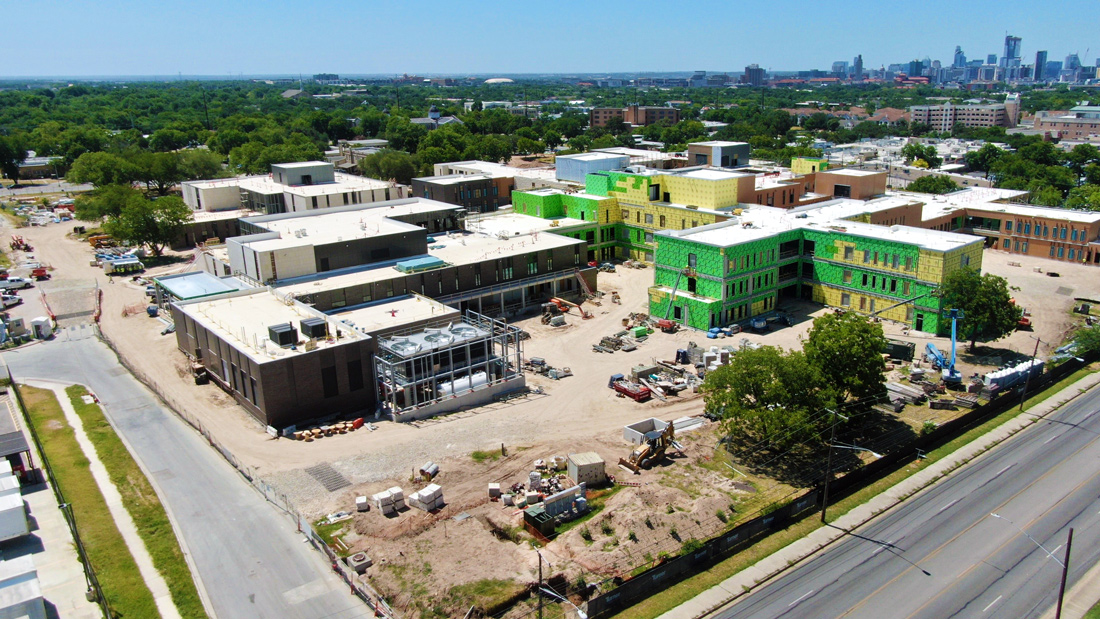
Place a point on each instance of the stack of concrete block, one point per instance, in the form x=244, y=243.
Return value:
x=361, y=504
x=428, y=499
x=383, y=502
x=494, y=490
x=398, y=497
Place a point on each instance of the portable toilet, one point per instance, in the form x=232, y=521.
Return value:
x=41, y=328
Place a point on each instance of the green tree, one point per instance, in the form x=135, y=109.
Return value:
x=168, y=139
x=1085, y=196
x=933, y=183
x=766, y=395
x=847, y=350
x=159, y=171
x=153, y=223
x=915, y=151
x=982, y=159
x=105, y=202
x=102, y=169
x=1087, y=340
x=200, y=164
x=389, y=164
x=12, y=153
x=986, y=303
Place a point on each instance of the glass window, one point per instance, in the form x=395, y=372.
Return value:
x=847, y=276
x=845, y=299
x=1072, y=253
x=1073, y=235
x=909, y=263
x=1008, y=226
x=864, y=279
x=866, y=256
x=648, y=218
x=1063, y=233
x=849, y=252
x=905, y=288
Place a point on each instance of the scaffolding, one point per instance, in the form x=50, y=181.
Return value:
x=452, y=363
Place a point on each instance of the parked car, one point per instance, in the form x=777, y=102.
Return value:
x=15, y=283
x=10, y=300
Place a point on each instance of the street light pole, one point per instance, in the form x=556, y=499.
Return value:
x=1027, y=379
x=1065, y=572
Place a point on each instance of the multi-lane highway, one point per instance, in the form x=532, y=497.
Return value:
x=941, y=554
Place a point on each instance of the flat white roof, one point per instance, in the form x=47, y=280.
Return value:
x=852, y=172
x=757, y=222
x=452, y=248
x=989, y=199
x=594, y=156
x=516, y=224
x=243, y=318
x=452, y=179
x=499, y=169
x=375, y=317
x=333, y=225
x=201, y=216
x=718, y=142
x=712, y=175
x=301, y=164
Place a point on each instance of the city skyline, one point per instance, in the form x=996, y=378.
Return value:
x=279, y=38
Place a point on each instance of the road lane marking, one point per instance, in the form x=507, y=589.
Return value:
x=1002, y=471
x=992, y=603
x=804, y=596
x=948, y=506
x=1051, y=439
x=961, y=533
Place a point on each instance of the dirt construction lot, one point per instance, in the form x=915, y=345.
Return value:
x=693, y=495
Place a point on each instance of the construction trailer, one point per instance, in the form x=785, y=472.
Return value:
x=466, y=363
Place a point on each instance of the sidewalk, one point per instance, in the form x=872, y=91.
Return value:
x=736, y=585
x=50, y=544
x=122, y=518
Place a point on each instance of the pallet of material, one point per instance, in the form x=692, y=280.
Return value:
x=941, y=404
x=905, y=392
x=966, y=400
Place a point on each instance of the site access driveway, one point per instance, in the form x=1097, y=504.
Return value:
x=1044, y=480
x=251, y=560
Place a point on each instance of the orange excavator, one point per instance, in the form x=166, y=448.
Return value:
x=565, y=306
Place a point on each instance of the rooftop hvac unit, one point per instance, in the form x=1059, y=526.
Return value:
x=283, y=334
x=314, y=328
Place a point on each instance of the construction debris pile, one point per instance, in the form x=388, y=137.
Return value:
x=538, y=365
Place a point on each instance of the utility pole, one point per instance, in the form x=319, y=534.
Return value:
x=1065, y=572
x=828, y=468
x=540, y=583
x=1027, y=379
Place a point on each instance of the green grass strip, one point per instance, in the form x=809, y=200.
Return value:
x=687, y=589
x=125, y=591
x=143, y=504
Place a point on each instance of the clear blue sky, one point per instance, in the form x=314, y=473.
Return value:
x=228, y=37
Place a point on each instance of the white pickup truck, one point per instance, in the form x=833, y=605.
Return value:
x=15, y=283
x=10, y=300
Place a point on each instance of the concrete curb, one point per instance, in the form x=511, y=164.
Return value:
x=748, y=579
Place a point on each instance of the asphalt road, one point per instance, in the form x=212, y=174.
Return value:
x=251, y=559
x=940, y=554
